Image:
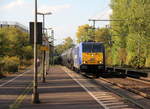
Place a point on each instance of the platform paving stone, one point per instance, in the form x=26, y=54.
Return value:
x=61, y=92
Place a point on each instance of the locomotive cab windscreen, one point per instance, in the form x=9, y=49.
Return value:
x=92, y=47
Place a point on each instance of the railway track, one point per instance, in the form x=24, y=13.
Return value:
x=137, y=86
x=138, y=101
x=139, y=78
x=145, y=79
x=104, y=94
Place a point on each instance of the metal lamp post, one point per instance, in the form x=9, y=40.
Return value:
x=35, y=94
x=44, y=53
x=52, y=32
x=43, y=14
x=51, y=43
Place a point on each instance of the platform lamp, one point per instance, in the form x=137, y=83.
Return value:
x=44, y=53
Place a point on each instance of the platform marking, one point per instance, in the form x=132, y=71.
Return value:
x=89, y=92
x=21, y=97
x=14, y=78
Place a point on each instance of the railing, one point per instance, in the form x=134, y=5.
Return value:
x=14, y=24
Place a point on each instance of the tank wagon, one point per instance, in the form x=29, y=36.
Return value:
x=88, y=57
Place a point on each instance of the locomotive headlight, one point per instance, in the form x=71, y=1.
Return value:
x=100, y=62
x=84, y=62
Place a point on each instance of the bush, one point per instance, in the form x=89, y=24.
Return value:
x=138, y=62
x=11, y=64
x=27, y=62
x=1, y=66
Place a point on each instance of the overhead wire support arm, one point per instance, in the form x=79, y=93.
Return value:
x=106, y=20
x=94, y=20
x=103, y=20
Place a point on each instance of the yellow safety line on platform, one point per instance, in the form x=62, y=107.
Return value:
x=21, y=97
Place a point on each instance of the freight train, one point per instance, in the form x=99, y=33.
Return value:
x=87, y=57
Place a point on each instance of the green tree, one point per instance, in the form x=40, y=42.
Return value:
x=3, y=42
x=131, y=36
x=14, y=43
x=68, y=43
x=103, y=35
x=85, y=33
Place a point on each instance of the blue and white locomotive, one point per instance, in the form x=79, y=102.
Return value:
x=88, y=57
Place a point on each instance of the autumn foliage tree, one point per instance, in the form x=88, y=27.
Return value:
x=14, y=47
x=85, y=33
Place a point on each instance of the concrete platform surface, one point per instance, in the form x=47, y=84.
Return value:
x=60, y=92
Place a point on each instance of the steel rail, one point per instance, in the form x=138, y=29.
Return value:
x=139, y=80
x=117, y=93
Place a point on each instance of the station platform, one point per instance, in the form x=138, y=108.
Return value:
x=61, y=92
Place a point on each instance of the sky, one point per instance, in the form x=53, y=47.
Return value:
x=66, y=16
